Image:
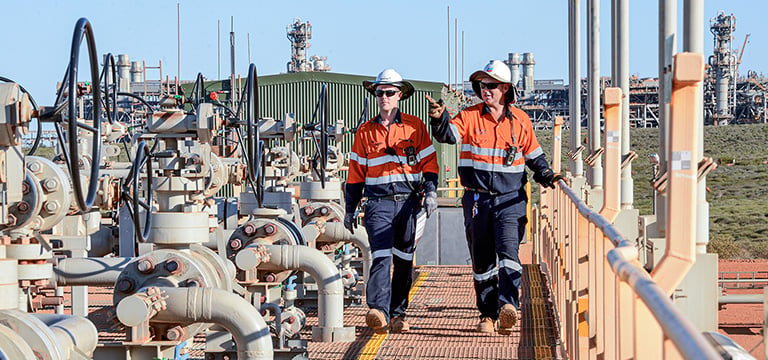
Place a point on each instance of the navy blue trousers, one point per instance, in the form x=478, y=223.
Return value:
x=391, y=227
x=494, y=225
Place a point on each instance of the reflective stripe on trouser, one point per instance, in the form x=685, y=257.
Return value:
x=494, y=231
x=391, y=226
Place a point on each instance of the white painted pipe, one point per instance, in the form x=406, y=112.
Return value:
x=89, y=271
x=336, y=231
x=205, y=305
x=72, y=332
x=330, y=302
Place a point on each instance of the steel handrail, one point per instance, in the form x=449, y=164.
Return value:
x=623, y=260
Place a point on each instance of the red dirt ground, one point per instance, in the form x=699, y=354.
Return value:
x=743, y=322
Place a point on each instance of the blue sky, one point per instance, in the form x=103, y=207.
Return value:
x=358, y=37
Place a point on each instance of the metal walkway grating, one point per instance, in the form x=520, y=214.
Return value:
x=443, y=318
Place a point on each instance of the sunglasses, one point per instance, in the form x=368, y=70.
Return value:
x=489, y=86
x=388, y=93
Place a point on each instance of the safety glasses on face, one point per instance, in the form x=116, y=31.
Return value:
x=489, y=86
x=388, y=93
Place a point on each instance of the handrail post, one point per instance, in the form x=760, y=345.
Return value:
x=682, y=169
x=557, y=143
x=612, y=168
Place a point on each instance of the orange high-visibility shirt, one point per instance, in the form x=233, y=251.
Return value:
x=486, y=144
x=379, y=156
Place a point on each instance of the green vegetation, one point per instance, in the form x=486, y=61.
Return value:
x=737, y=189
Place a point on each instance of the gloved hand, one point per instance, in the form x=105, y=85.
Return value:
x=547, y=178
x=350, y=222
x=436, y=108
x=430, y=202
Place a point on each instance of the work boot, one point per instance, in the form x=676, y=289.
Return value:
x=507, y=319
x=486, y=325
x=399, y=325
x=376, y=320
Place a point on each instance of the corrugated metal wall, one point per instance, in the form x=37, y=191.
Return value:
x=297, y=93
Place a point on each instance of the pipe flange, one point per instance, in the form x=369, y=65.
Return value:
x=326, y=211
x=56, y=192
x=199, y=267
x=263, y=231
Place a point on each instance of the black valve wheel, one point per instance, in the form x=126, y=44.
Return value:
x=254, y=146
x=130, y=192
x=110, y=87
x=84, y=201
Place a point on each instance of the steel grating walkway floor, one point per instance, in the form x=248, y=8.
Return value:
x=443, y=318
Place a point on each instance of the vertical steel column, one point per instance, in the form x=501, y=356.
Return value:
x=667, y=48
x=574, y=84
x=693, y=41
x=622, y=73
x=595, y=176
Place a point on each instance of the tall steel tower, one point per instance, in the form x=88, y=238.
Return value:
x=720, y=102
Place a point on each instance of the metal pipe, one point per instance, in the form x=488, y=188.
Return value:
x=741, y=299
x=622, y=74
x=693, y=41
x=593, y=93
x=89, y=271
x=278, y=320
x=337, y=232
x=204, y=305
x=689, y=341
x=330, y=302
x=667, y=48
x=72, y=332
x=574, y=91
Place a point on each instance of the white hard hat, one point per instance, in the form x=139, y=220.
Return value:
x=390, y=77
x=497, y=70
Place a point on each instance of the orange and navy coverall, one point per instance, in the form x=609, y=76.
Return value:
x=379, y=169
x=492, y=169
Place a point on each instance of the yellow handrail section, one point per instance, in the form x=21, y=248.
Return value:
x=608, y=305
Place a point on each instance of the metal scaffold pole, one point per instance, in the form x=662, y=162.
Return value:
x=667, y=49
x=693, y=41
x=574, y=85
x=622, y=81
x=593, y=92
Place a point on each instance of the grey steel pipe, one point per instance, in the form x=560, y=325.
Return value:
x=337, y=232
x=593, y=92
x=88, y=271
x=622, y=81
x=741, y=299
x=689, y=341
x=693, y=41
x=205, y=305
x=330, y=302
x=72, y=332
x=667, y=49
x=574, y=76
